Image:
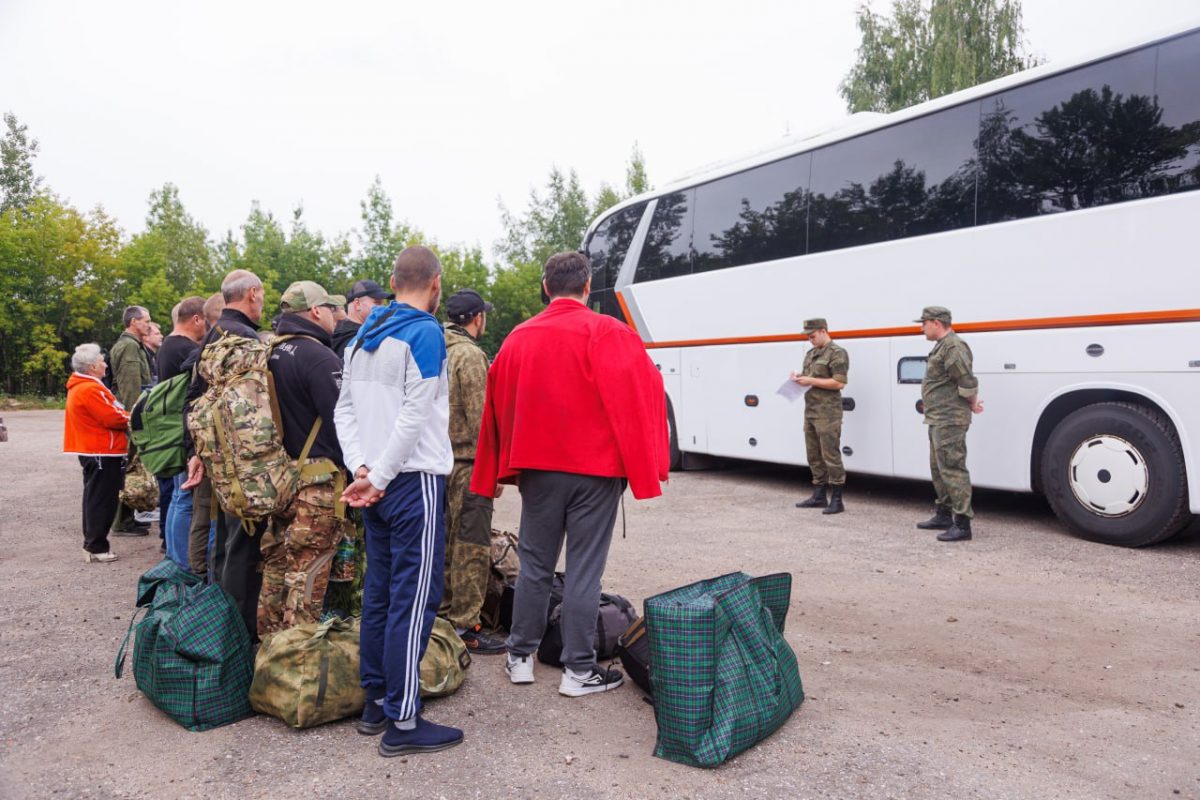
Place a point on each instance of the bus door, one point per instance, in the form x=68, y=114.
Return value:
x=910, y=440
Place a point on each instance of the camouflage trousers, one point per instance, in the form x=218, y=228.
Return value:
x=297, y=551
x=948, y=466
x=468, y=549
x=823, y=441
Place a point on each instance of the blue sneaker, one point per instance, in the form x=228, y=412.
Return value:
x=374, y=721
x=425, y=738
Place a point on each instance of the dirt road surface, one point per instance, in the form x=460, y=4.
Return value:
x=1024, y=664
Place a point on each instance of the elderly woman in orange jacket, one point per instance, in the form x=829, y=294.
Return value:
x=95, y=431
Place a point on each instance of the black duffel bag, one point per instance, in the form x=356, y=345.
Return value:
x=616, y=614
x=633, y=648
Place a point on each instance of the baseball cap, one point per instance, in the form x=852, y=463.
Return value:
x=464, y=304
x=939, y=313
x=815, y=324
x=367, y=288
x=303, y=295
x=338, y=300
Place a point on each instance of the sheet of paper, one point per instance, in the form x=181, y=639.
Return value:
x=791, y=391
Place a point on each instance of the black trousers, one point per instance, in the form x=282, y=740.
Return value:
x=236, y=565
x=103, y=478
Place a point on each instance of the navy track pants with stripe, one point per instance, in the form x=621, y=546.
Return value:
x=402, y=589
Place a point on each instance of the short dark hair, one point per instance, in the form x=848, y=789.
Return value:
x=415, y=268
x=213, y=307
x=566, y=274
x=190, y=307
x=132, y=313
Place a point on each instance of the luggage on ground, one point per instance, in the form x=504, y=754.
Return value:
x=498, y=600
x=724, y=677
x=614, y=617
x=191, y=654
x=308, y=675
x=238, y=433
x=633, y=648
x=444, y=665
x=140, y=491
x=156, y=426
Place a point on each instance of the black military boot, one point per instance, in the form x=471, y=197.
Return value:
x=960, y=531
x=818, y=499
x=835, y=500
x=940, y=521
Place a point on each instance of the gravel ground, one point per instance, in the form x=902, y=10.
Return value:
x=1024, y=664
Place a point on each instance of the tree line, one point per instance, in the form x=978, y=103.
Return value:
x=67, y=274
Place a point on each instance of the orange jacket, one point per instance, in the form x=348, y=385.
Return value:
x=95, y=421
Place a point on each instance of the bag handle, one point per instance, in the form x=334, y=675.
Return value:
x=119, y=666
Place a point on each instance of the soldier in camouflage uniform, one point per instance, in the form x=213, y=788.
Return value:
x=468, y=515
x=299, y=546
x=826, y=372
x=950, y=393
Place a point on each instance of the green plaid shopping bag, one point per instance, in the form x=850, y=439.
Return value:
x=191, y=656
x=724, y=677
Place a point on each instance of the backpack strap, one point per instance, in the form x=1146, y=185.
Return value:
x=378, y=323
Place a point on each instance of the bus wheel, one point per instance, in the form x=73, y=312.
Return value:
x=1114, y=473
x=675, y=457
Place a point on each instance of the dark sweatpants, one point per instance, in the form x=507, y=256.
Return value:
x=235, y=565
x=581, y=509
x=103, y=477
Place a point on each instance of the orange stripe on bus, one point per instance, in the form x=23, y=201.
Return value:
x=625, y=311
x=1132, y=318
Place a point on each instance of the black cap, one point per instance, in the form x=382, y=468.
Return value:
x=367, y=288
x=465, y=304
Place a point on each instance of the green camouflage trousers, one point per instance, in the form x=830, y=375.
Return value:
x=297, y=550
x=948, y=466
x=823, y=441
x=468, y=549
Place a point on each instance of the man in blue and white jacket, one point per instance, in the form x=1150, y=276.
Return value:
x=392, y=420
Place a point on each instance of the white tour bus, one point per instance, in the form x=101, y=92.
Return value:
x=1055, y=212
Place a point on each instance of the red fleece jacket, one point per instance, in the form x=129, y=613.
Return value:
x=573, y=391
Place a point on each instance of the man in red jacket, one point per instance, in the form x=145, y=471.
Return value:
x=575, y=411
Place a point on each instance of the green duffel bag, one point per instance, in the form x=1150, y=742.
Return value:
x=724, y=677
x=309, y=675
x=191, y=654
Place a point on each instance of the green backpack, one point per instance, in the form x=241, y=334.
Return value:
x=724, y=677
x=192, y=656
x=156, y=426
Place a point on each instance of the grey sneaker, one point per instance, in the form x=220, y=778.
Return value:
x=519, y=668
x=598, y=680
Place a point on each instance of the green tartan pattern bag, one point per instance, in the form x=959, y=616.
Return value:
x=724, y=677
x=191, y=656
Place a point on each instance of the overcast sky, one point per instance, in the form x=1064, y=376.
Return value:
x=456, y=106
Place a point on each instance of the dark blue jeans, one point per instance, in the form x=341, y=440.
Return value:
x=406, y=545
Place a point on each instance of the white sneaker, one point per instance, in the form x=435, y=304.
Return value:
x=102, y=558
x=574, y=684
x=519, y=669
x=146, y=517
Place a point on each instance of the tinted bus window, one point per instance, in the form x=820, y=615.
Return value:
x=757, y=215
x=1085, y=138
x=667, y=251
x=1178, y=90
x=609, y=243
x=910, y=179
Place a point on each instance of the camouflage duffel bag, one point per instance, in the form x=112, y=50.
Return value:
x=140, y=491
x=308, y=675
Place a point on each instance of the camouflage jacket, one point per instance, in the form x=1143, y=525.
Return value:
x=130, y=369
x=466, y=368
x=949, y=381
x=830, y=361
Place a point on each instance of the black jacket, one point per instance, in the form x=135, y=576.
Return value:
x=342, y=334
x=174, y=352
x=308, y=378
x=232, y=322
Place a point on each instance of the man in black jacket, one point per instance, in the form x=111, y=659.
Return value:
x=298, y=549
x=236, y=551
x=362, y=298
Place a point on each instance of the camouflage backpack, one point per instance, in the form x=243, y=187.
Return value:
x=238, y=432
x=140, y=491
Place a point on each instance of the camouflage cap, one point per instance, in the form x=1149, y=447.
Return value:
x=939, y=313
x=338, y=300
x=303, y=295
x=815, y=324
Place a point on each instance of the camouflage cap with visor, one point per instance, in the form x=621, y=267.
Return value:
x=303, y=295
x=939, y=313
x=815, y=324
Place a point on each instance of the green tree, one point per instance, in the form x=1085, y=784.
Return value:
x=928, y=48
x=18, y=183
x=380, y=239
x=636, y=179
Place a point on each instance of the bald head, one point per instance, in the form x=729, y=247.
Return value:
x=243, y=291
